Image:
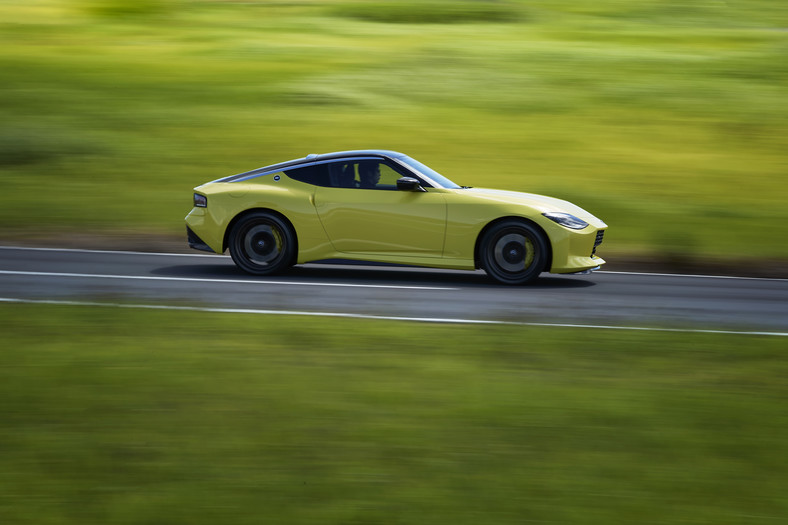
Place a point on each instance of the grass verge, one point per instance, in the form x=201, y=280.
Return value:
x=128, y=417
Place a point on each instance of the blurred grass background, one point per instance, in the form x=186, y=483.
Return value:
x=667, y=119
x=369, y=422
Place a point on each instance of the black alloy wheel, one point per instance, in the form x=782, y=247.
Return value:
x=262, y=243
x=513, y=252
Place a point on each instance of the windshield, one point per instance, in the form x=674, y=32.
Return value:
x=428, y=172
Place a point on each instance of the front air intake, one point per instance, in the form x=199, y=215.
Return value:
x=599, y=236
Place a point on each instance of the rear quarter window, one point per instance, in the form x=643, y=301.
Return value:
x=316, y=175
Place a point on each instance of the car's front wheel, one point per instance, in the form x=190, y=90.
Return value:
x=262, y=243
x=513, y=252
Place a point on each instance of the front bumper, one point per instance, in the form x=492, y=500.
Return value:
x=575, y=252
x=586, y=272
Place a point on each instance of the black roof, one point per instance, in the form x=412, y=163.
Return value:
x=356, y=153
x=314, y=157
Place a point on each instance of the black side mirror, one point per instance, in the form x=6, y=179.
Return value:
x=409, y=184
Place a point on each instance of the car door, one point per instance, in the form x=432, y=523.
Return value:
x=363, y=216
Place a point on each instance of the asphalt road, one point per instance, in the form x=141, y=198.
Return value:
x=602, y=298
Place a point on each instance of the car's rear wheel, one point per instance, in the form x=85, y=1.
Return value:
x=513, y=252
x=262, y=243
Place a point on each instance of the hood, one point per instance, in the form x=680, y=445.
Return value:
x=541, y=203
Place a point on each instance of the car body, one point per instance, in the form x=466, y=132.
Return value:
x=336, y=206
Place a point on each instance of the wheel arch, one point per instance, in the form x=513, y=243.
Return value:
x=250, y=211
x=480, y=236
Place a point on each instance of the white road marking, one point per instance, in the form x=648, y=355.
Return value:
x=204, y=280
x=79, y=250
x=383, y=317
x=116, y=252
x=653, y=274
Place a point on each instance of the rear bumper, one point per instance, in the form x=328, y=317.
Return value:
x=195, y=242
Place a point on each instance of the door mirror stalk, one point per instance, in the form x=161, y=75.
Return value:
x=409, y=184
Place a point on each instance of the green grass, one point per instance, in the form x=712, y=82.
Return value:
x=118, y=416
x=666, y=119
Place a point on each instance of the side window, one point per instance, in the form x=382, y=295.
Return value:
x=316, y=175
x=364, y=174
x=388, y=178
x=343, y=175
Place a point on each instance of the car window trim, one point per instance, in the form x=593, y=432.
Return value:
x=419, y=175
x=284, y=169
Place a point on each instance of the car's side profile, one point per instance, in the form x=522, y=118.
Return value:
x=383, y=206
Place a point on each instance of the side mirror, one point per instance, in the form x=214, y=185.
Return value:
x=409, y=184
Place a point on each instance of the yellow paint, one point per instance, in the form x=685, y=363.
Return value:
x=437, y=228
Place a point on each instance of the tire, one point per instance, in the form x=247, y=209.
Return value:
x=513, y=252
x=262, y=244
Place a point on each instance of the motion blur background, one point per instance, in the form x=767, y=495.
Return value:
x=667, y=119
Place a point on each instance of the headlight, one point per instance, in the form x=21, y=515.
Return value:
x=200, y=201
x=567, y=220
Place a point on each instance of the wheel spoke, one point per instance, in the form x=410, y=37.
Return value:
x=262, y=243
x=513, y=252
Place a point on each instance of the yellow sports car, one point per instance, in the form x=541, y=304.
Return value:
x=383, y=206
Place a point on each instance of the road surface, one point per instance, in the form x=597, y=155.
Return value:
x=614, y=299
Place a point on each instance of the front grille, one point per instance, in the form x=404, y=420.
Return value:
x=599, y=236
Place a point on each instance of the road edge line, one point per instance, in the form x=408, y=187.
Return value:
x=348, y=315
